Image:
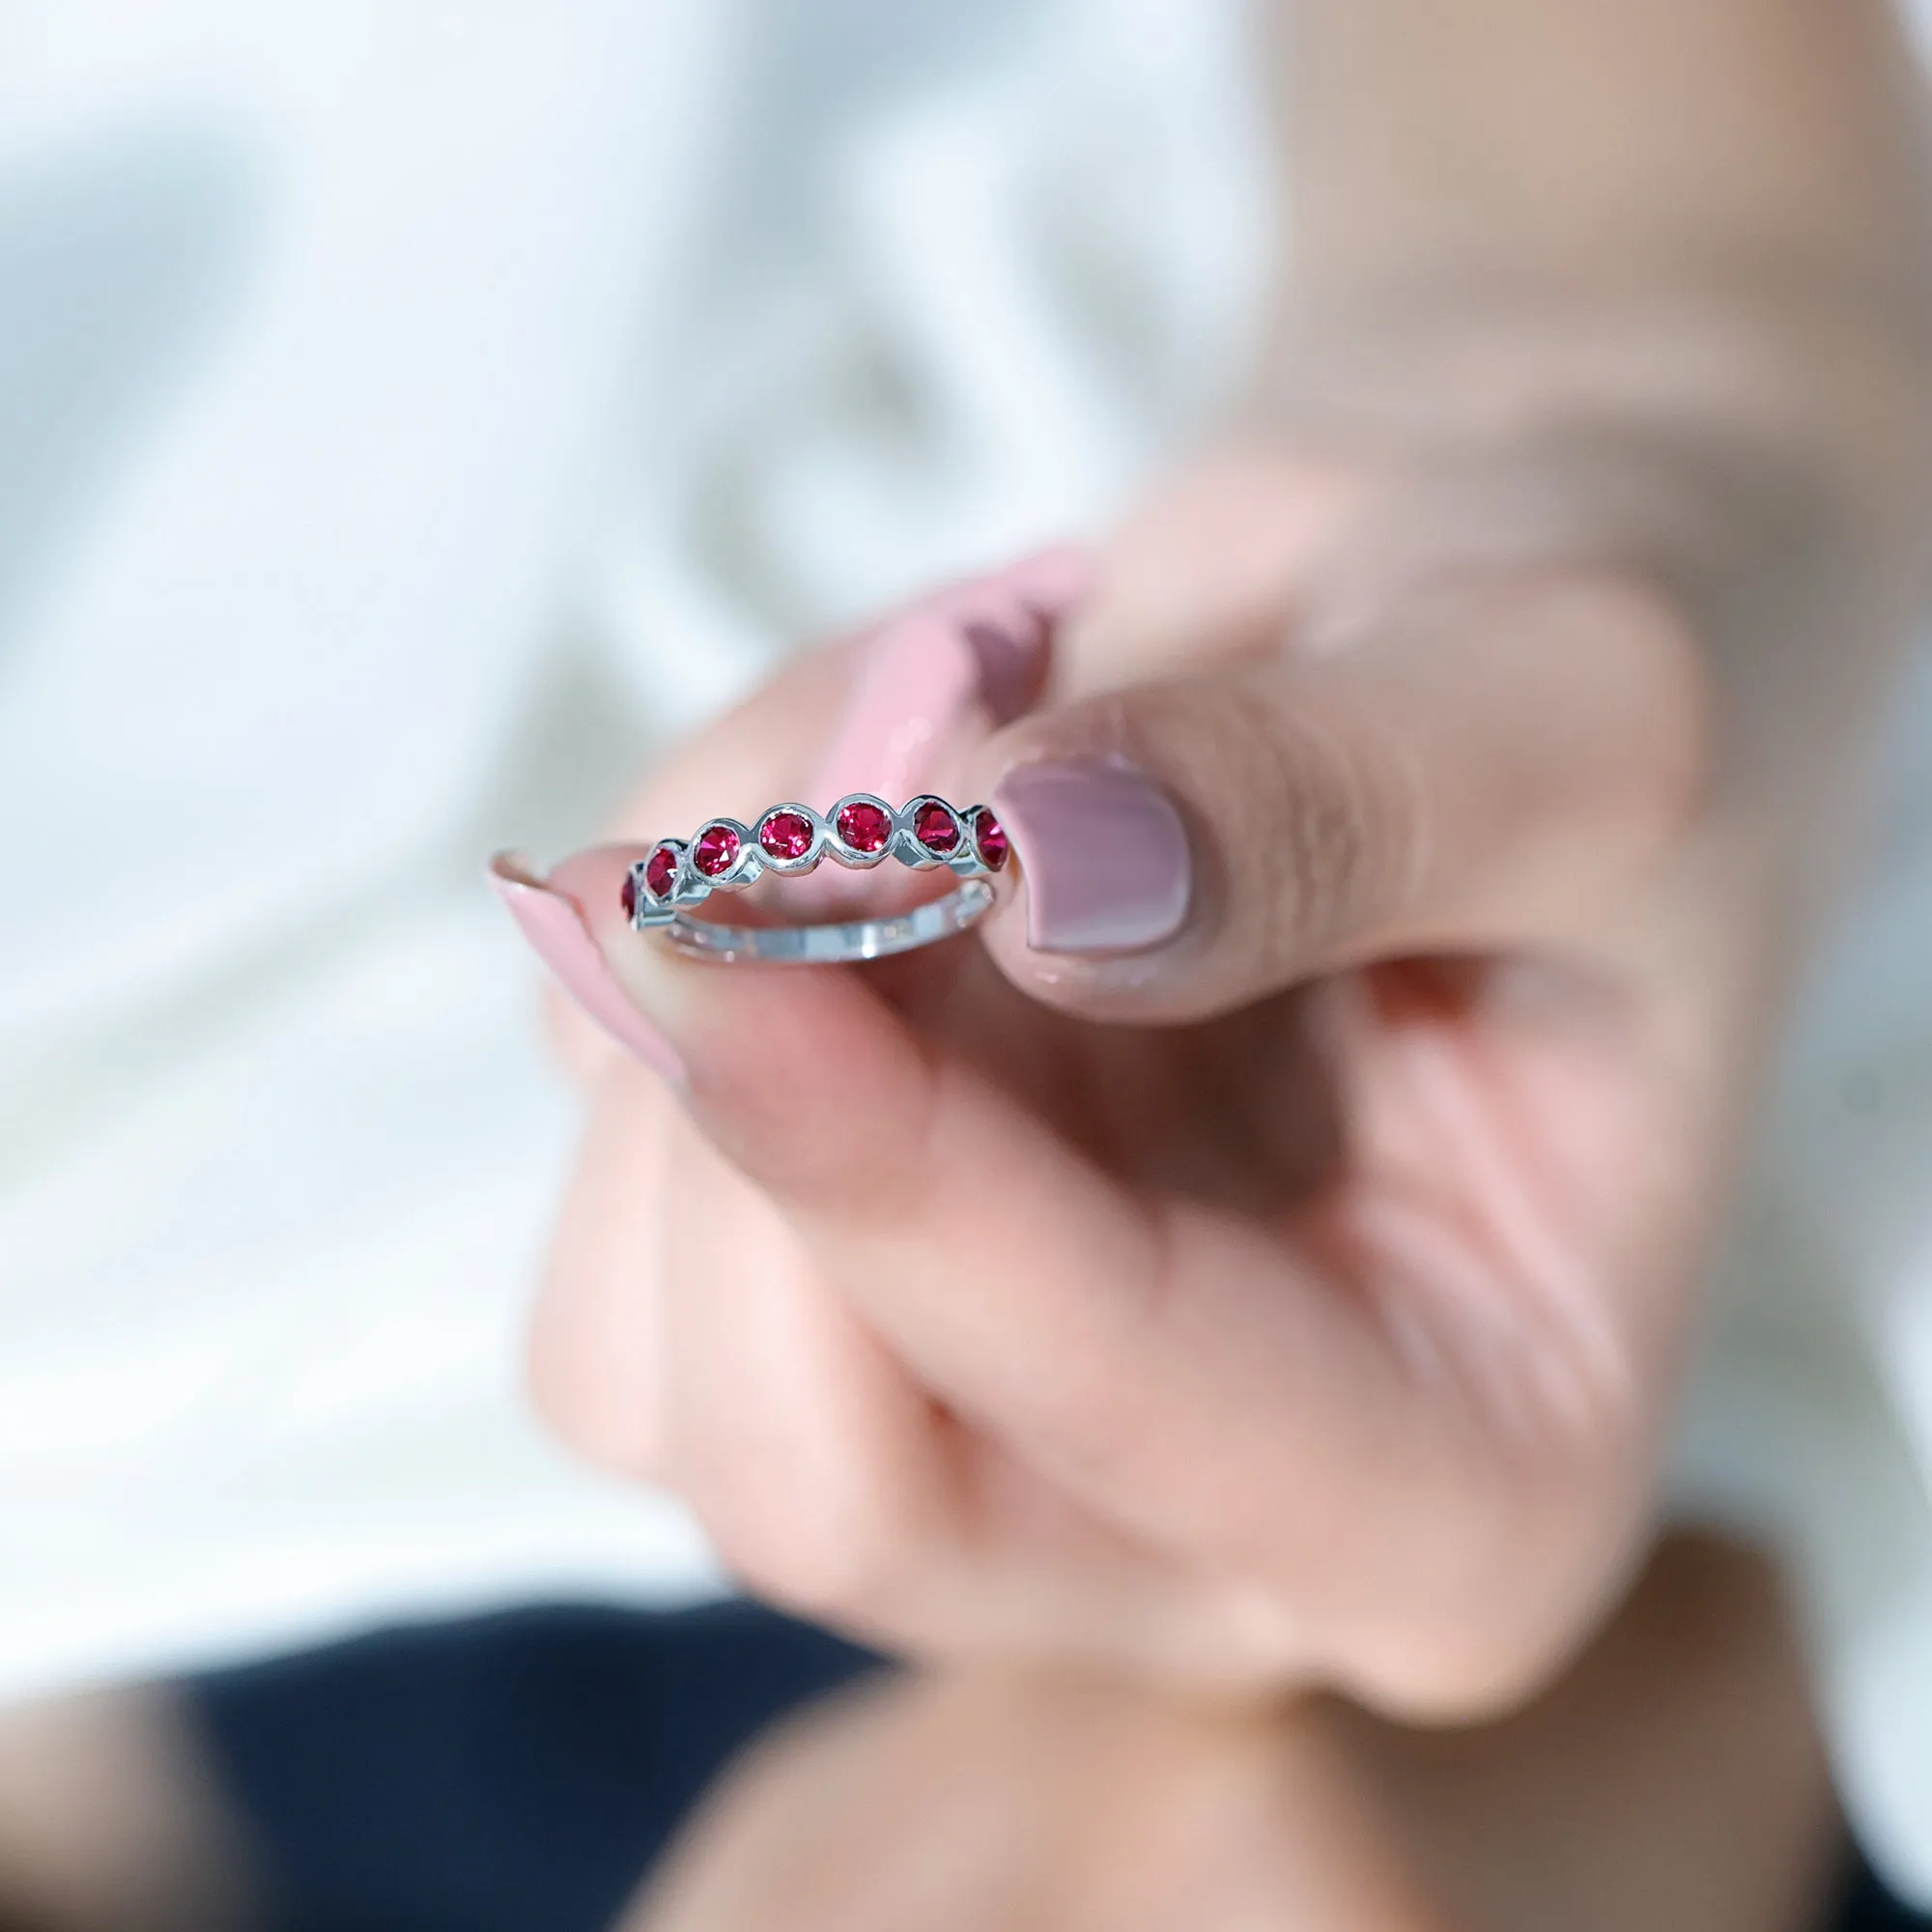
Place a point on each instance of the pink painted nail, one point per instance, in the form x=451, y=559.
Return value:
x=1009, y=618
x=977, y=650
x=1104, y=853
x=553, y=924
x=983, y=643
x=915, y=684
x=1052, y=582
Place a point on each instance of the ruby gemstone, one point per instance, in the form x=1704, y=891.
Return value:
x=660, y=870
x=934, y=827
x=628, y=894
x=990, y=836
x=786, y=834
x=714, y=850
x=865, y=827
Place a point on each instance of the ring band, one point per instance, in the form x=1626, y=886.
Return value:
x=858, y=832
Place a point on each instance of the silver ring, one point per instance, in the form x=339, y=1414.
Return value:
x=858, y=832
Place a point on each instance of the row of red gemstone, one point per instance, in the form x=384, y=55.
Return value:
x=784, y=833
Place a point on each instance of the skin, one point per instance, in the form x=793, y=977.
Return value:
x=1317, y=1315
x=1673, y=1781
x=111, y=1820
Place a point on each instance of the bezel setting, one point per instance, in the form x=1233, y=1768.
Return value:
x=857, y=810
x=791, y=817
x=745, y=859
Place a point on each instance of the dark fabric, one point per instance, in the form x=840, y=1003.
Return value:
x=514, y=1773
x=518, y=1772
x=1870, y=1908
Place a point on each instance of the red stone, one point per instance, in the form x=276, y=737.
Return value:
x=785, y=834
x=865, y=827
x=660, y=870
x=934, y=827
x=990, y=837
x=714, y=849
x=628, y=894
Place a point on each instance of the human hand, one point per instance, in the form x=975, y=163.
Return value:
x=1674, y=1779
x=1011, y=1804
x=1298, y=1292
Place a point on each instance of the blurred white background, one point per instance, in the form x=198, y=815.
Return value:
x=410, y=416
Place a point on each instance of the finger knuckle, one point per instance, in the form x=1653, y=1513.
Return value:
x=1638, y=646
x=1349, y=846
x=838, y=1565
x=588, y=1398
x=1505, y=1604
x=1461, y=1675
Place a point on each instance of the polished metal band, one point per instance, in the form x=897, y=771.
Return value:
x=858, y=833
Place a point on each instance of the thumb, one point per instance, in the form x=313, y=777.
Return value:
x=1493, y=762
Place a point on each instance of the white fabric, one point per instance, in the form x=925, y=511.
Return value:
x=408, y=415
x=1811, y=1421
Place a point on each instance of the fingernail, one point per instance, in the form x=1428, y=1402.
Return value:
x=914, y=685
x=1052, y=582
x=553, y=924
x=1104, y=855
x=973, y=651
x=983, y=643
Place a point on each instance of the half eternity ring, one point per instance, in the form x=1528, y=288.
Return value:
x=858, y=832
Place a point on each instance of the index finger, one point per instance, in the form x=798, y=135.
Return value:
x=1202, y=1380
